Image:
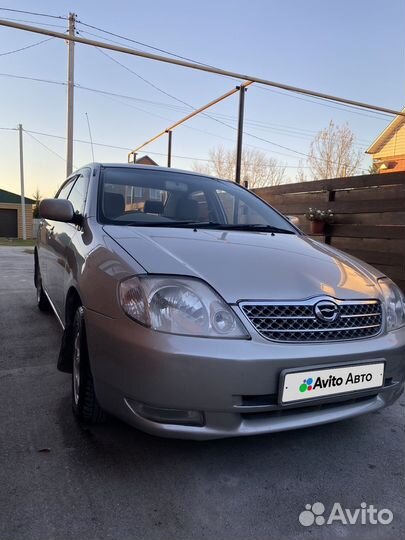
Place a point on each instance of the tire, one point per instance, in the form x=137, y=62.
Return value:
x=42, y=300
x=84, y=401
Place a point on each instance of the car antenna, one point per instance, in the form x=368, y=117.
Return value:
x=90, y=137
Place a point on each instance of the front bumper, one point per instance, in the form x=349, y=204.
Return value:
x=234, y=383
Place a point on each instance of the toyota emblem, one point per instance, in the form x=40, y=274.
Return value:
x=326, y=311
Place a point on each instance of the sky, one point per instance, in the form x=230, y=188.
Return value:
x=353, y=49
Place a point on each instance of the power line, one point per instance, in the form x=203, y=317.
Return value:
x=208, y=65
x=245, y=132
x=192, y=107
x=212, y=134
x=203, y=114
x=219, y=72
x=286, y=130
x=141, y=43
x=178, y=99
x=254, y=123
x=268, y=142
x=147, y=101
x=170, y=120
x=109, y=94
x=319, y=101
x=200, y=67
x=185, y=103
x=26, y=47
x=87, y=33
x=44, y=145
x=36, y=79
x=283, y=129
x=293, y=150
x=97, y=90
x=143, y=78
x=35, y=22
x=105, y=145
x=125, y=147
x=313, y=101
x=33, y=13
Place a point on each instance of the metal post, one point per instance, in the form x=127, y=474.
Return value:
x=169, y=149
x=23, y=221
x=70, y=94
x=190, y=115
x=242, y=91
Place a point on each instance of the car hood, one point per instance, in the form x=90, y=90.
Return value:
x=249, y=265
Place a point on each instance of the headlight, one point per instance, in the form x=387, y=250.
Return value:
x=184, y=306
x=394, y=303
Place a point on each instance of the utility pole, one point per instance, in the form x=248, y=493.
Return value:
x=23, y=221
x=169, y=148
x=70, y=94
x=242, y=90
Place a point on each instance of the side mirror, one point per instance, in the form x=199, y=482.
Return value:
x=295, y=220
x=57, y=210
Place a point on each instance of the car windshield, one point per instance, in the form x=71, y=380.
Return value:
x=157, y=198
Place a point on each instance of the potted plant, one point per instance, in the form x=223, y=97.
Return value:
x=318, y=219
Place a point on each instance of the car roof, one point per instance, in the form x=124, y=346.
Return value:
x=150, y=168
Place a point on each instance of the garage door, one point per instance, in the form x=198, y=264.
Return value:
x=8, y=223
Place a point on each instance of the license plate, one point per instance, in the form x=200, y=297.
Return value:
x=318, y=383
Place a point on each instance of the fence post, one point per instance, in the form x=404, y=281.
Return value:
x=329, y=227
x=242, y=91
x=169, y=148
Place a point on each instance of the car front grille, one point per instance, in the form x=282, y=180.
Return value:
x=298, y=321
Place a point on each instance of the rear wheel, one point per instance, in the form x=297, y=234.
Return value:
x=42, y=300
x=84, y=401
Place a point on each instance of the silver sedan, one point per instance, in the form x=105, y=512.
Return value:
x=193, y=309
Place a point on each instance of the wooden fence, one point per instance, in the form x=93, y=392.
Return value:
x=369, y=215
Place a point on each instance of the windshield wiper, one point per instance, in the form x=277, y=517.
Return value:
x=240, y=227
x=257, y=227
x=157, y=223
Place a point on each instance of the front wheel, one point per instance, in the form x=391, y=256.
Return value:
x=84, y=401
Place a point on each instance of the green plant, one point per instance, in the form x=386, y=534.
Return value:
x=37, y=198
x=315, y=214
